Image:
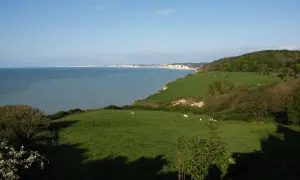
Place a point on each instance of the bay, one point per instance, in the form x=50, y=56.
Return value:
x=55, y=89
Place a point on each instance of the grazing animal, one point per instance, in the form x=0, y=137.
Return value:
x=258, y=84
x=200, y=119
x=212, y=119
x=185, y=116
x=133, y=113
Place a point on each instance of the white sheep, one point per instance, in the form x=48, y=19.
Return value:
x=212, y=119
x=185, y=116
x=133, y=113
x=200, y=119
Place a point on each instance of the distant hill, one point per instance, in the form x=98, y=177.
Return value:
x=273, y=62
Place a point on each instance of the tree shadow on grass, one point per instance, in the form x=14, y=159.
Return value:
x=278, y=159
x=56, y=127
x=70, y=162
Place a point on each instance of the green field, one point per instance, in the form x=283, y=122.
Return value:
x=196, y=85
x=114, y=139
x=113, y=144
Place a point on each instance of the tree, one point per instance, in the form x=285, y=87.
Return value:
x=23, y=122
x=294, y=107
x=205, y=153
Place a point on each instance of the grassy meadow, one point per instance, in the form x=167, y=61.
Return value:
x=114, y=144
x=196, y=85
x=90, y=142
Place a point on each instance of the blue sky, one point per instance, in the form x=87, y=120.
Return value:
x=97, y=32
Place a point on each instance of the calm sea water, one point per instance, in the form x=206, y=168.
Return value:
x=54, y=89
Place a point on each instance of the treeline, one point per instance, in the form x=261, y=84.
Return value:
x=278, y=101
x=281, y=63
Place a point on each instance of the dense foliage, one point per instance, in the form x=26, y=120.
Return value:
x=272, y=101
x=61, y=114
x=22, y=123
x=294, y=107
x=272, y=62
x=220, y=87
x=205, y=154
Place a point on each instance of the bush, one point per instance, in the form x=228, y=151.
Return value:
x=73, y=111
x=206, y=153
x=58, y=115
x=220, y=87
x=22, y=122
x=14, y=162
x=61, y=114
x=113, y=107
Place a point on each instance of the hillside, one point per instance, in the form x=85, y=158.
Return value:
x=246, y=87
x=197, y=85
x=273, y=62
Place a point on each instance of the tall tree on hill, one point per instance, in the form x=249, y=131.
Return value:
x=294, y=107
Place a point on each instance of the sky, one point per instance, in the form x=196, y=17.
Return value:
x=102, y=32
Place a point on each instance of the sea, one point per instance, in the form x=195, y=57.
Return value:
x=56, y=89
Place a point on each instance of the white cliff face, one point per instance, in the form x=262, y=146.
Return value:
x=198, y=104
x=167, y=66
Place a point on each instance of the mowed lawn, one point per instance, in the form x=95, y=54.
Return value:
x=196, y=85
x=97, y=136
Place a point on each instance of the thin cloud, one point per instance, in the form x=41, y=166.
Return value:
x=166, y=11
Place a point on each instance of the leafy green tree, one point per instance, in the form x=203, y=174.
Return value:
x=22, y=122
x=220, y=87
x=294, y=107
x=205, y=153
